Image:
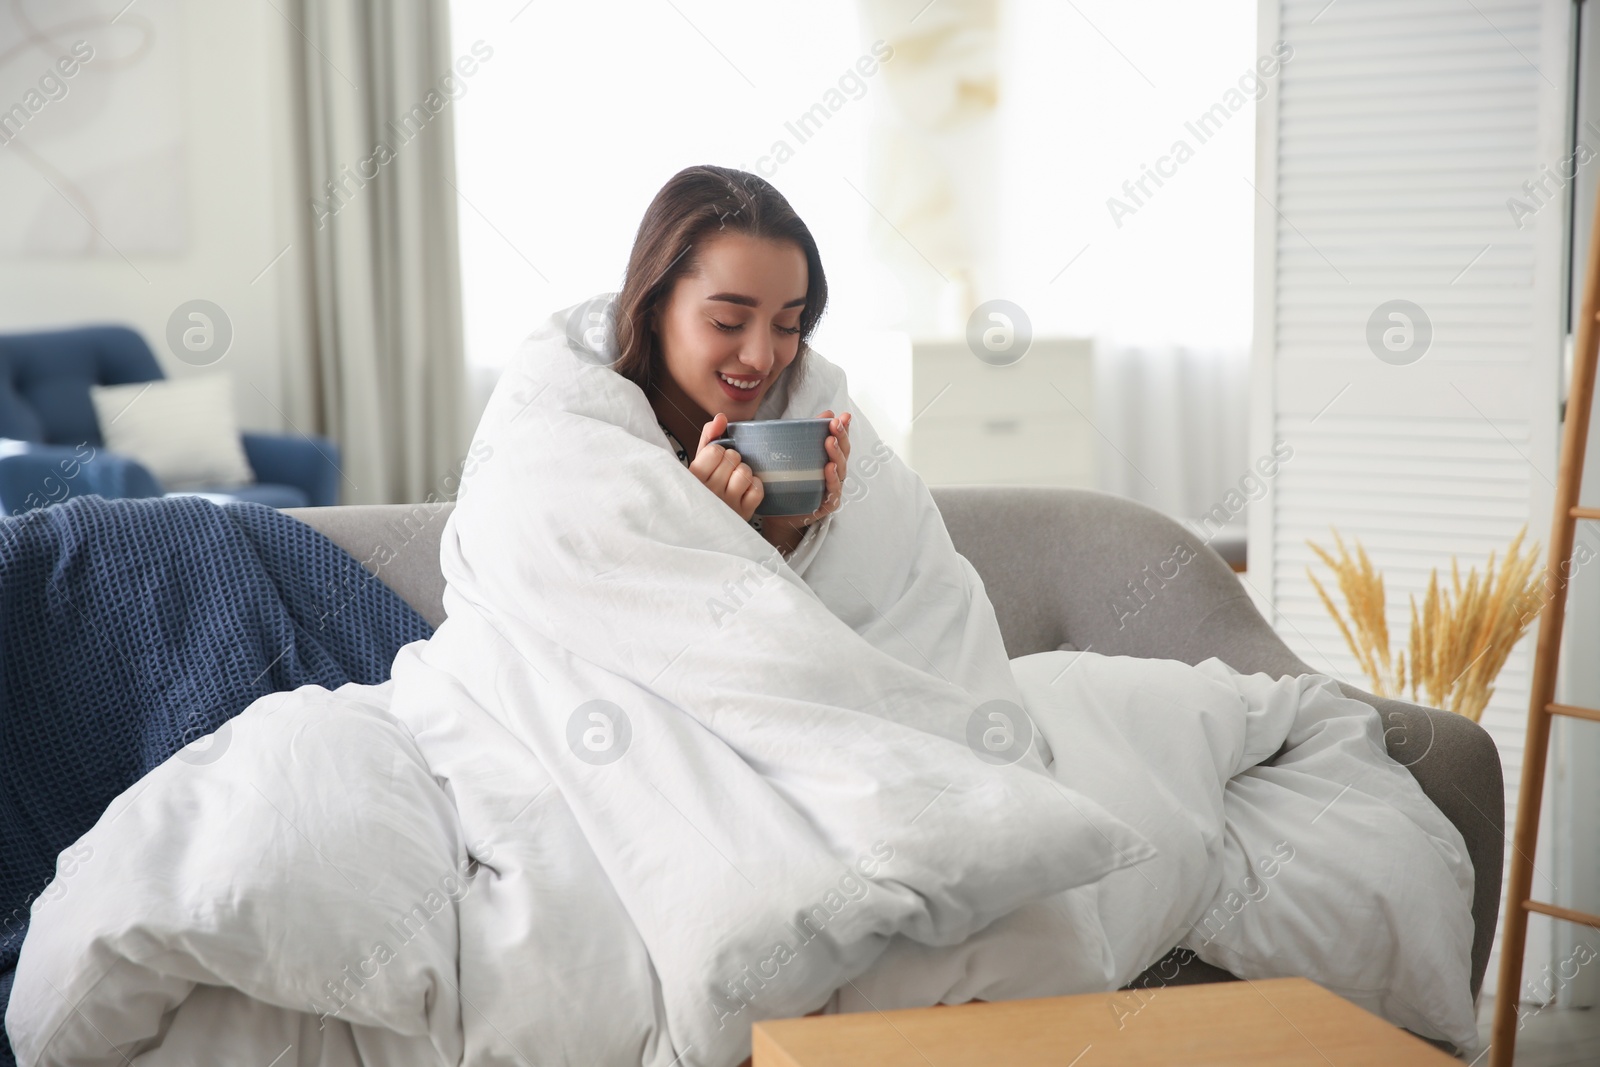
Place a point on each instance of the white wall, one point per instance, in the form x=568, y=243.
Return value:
x=235, y=74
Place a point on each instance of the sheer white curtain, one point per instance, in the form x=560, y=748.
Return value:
x=383, y=364
x=1177, y=422
x=1096, y=94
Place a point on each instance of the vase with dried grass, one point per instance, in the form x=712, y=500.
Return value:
x=1460, y=636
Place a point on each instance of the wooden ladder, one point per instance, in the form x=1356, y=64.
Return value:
x=1541, y=704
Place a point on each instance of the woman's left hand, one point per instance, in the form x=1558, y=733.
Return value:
x=838, y=446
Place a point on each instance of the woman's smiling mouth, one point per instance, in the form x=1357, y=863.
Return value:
x=739, y=388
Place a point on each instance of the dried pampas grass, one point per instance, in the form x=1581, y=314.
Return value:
x=1461, y=636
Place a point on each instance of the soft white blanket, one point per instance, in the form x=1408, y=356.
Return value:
x=650, y=783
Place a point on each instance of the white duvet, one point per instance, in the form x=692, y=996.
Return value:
x=651, y=783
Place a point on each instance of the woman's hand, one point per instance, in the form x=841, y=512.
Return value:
x=838, y=446
x=724, y=473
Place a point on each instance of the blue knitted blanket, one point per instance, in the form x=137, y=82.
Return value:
x=131, y=628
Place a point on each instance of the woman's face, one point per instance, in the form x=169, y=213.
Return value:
x=731, y=327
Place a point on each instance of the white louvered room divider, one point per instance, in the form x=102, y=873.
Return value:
x=1385, y=161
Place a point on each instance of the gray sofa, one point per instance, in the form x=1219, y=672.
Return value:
x=1082, y=570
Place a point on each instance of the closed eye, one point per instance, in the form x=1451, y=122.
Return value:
x=731, y=327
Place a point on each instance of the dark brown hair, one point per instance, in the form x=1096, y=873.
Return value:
x=696, y=203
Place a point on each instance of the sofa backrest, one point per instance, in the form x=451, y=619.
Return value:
x=1064, y=568
x=45, y=379
x=396, y=542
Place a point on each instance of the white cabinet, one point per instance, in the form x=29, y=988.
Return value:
x=1024, y=424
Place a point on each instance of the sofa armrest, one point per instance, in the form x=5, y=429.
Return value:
x=39, y=475
x=308, y=463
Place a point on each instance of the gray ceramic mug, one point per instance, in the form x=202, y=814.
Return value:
x=790, y=456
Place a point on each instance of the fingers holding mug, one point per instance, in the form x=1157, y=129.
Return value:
x=750, y=492
x=837, y=444
x=717, y=427
x=832, y=494
x=838, y=432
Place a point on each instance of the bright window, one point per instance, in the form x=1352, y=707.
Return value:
x=586, y=109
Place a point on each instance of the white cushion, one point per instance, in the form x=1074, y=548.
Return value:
x=183, y=430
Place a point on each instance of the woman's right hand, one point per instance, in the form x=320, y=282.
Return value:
x=724, y=472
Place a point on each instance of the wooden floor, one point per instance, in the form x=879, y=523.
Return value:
x=1554, y=1037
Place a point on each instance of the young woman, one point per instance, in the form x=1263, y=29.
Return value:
x=723, y=289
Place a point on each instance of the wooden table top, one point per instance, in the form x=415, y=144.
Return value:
x=1283, y=1022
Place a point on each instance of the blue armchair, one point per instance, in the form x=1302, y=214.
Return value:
x=53, y=449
